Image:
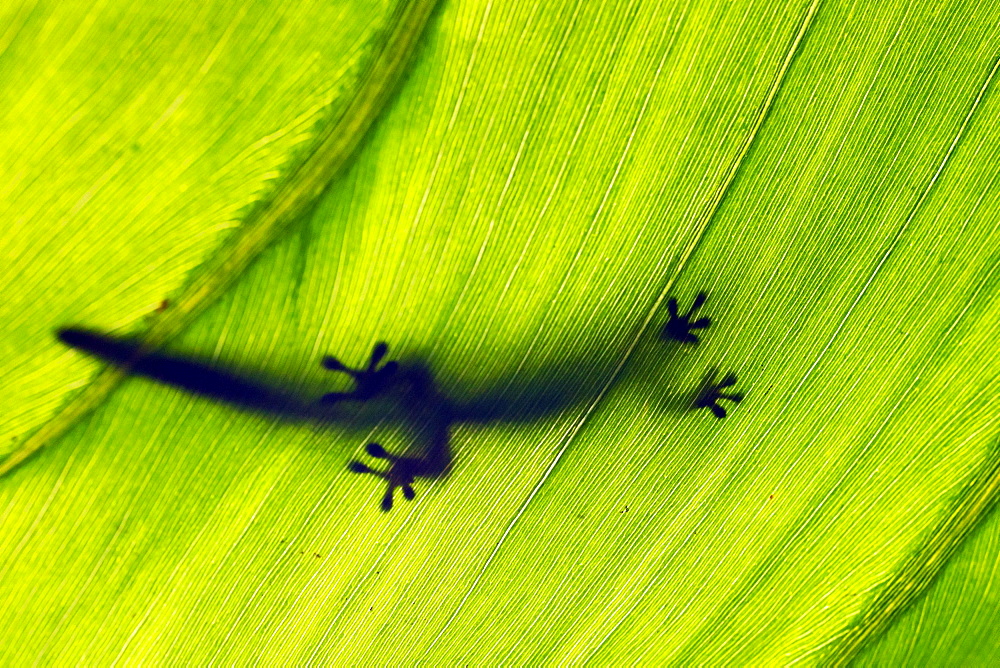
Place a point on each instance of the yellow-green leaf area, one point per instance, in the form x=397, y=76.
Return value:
x=955, y=622
x=546, y=178
x=136, y=140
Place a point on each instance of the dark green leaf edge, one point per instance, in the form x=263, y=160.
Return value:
x=337, y=140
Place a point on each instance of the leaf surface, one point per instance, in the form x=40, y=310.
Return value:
x=546, y=177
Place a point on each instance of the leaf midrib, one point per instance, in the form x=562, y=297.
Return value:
x=708, y=214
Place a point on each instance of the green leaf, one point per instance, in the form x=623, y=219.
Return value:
x=954, y=623
x=544, y=179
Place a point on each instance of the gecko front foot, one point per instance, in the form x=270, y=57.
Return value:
x=368, y=382
x=711, y=392
x=400, y=473
x=679, y=326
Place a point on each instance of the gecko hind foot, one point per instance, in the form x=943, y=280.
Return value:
x=399, y=474
x=369, y=382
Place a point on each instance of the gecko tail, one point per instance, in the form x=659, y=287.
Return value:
x=107, y=348
x=194, y=376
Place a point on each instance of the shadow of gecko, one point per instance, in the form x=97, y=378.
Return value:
x=406, y=388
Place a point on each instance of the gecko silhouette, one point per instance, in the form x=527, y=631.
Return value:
x=408, y=387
